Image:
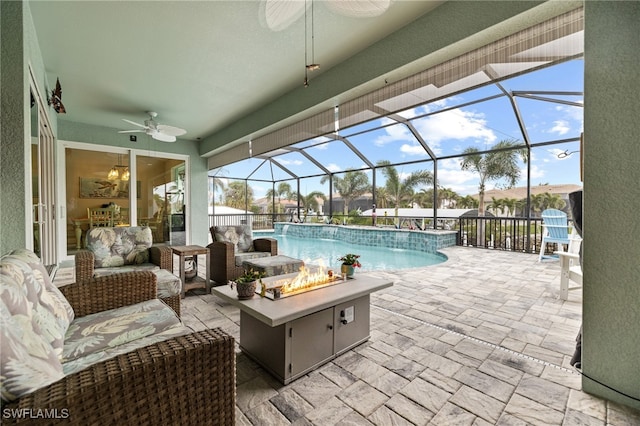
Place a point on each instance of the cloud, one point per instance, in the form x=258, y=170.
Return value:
x=333, y=167
x=450, y=125
x=560, y=127
x=413, y=149
x=291, y=162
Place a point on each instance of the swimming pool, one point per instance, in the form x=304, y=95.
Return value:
x=372, y=258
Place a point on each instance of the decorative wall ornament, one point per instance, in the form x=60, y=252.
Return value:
x=56, y=99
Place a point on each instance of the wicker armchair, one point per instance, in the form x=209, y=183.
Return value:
x=160, y=256
x=188, y=379
x=225, y=257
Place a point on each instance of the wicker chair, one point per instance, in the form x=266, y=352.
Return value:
x=226, y=261
x=188, y=379
x=161, y=256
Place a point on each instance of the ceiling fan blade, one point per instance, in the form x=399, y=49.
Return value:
x=134, y=123
x=163, y=137
x=171, y=130
x=131, y=131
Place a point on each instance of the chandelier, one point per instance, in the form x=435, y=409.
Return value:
x=119, y=171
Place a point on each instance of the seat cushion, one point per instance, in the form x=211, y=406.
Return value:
x=101, y=272
x=242, y=257
x=108, y=329
x=274, y=265
x=239, y=235
x=168, y=284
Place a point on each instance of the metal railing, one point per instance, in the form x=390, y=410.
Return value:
x=518, y=234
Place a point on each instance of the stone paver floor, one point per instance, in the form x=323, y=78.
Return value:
x=481, y=339
x=478, y=340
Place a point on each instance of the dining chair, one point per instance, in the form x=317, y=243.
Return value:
x=100, y=216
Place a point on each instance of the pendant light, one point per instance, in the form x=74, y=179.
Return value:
x=308, y=66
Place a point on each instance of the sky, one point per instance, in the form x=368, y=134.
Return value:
x=448, y=133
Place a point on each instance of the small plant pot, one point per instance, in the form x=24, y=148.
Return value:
x=347, y=270
x=246, y=290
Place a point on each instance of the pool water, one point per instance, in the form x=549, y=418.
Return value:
x=371, y=258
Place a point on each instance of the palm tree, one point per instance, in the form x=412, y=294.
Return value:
x=310, y=201
x=236, y=194
x=382, y=197
x=447, y=198
x=511, y=204
x=354, y=184
x=402, y=191
x=424, y=198
x=497, y=205
x=284, y=189
x=467, y=202
x=499, y=163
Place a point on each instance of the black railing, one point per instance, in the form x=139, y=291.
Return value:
x=518, y=234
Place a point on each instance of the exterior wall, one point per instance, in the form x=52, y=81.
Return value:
x=611, y=292
x=20, y=50
x=427, y=241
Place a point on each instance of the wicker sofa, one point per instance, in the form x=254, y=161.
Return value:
x=231, y=246
x=105, y=352
x=126, y=249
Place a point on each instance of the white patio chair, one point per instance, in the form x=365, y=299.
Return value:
x=570, y=269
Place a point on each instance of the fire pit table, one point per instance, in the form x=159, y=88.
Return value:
x=291, y=336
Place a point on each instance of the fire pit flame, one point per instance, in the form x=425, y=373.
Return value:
x=307, y=279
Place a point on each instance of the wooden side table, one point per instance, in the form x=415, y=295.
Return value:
x=193, y=251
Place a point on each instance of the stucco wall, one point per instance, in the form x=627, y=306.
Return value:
x=611, y=294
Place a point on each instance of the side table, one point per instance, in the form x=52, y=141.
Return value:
x=193, y=251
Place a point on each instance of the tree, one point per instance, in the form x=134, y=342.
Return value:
x=447, y=198
x=402, y=191
x=310, y=201
x=499, y=163
x=467, y=202
x=354, y=184
x=424, y=198
x=236, y=194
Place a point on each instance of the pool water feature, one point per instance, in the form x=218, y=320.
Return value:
x=315, y=250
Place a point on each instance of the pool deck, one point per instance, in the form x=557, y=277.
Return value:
x=480, y=339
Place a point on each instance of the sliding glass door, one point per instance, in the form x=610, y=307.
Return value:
x=144, y=189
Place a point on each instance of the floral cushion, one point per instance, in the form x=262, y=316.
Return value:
x=62, y=309
x=28, y=360
x=48, y=307
x=239, y=235
x=108, y=353
x=127, y=245
x=108, y=329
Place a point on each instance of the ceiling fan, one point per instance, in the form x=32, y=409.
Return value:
x=160, y=132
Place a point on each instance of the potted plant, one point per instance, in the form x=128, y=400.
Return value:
x=245, y=284
x=349, y=263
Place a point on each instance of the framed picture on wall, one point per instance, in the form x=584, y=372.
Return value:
x=104, y=188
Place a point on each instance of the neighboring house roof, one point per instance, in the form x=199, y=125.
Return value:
x=521, y=192
x=226, y=210
x=419, y=212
